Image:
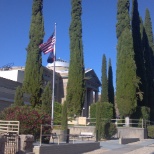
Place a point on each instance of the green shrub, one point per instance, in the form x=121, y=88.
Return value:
x=104, y=114
x=64, y=125
x=109, y=130
x=142, y=112
x=57, y=113
x=150, y=131
x=107, y=110
x=93, y=114
x=30, y=119
x=145, y=113
x=18, y=99
x=46, y=98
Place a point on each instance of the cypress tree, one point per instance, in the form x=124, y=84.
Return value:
x=33, y=71
x=123, y=19
x=46, y=99
x=57, y=113
x=110, y=87
x=149, y=53
x=146, y=56
x=64, y=116
x=148, y=29
x=18, y=99
x=99, y=120
x=149, y=35
x=110, y=83
x=137, y=45
x=76, y=85
x=126, y=81
x=104, y=93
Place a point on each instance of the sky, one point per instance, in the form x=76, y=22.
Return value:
x=98, y=30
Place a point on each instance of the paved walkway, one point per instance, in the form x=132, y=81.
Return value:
x=145, y=146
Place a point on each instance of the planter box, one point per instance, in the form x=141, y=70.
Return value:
x=62, y=134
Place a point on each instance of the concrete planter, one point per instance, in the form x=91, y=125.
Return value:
x=61, y=133
x=26, y=143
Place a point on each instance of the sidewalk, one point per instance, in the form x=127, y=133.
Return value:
x=145, y=146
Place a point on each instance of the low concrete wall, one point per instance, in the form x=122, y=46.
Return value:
x=132, y=132
x=79, y=129
x=66, y=148
x=127, y=140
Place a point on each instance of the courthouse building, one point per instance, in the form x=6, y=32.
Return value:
x=11, y=78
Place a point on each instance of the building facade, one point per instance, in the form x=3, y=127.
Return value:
x=14, y=77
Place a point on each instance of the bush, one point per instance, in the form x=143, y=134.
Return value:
x=150, y=131
x=30, y=119
x=93, y=114
x=107, y=110
x=109, y=130
x=145, y=113
x=142, y=112
x=104, y=114
x=57, y=113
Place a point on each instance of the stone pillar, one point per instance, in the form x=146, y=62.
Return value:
x=89, y=100
x=2, y=143
x=127, y=122
x=26, y=143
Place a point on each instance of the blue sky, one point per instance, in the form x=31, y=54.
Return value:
x=98, y=22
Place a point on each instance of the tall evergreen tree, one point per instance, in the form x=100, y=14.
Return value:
x=64, y=123
x=46, y=99
x=123, y=20
x=126, y=81
x=149, y=54
x=104, y=93
x=149, y=34
x=99, y=120
x=76, y=84
x=18, y=99
x=33, y=71
x=110, y=87
x=139, y=59
x=110, y=83
x=146, y=56
x=148, y=29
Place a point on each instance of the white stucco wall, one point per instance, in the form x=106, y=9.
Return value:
x=14, y=75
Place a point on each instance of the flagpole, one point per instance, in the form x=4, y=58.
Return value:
x=53, y=82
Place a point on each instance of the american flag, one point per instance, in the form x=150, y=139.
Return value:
x=49, y=45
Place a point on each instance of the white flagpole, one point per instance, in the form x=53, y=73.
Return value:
x=53, y=82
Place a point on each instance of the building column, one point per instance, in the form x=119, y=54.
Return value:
x=96, y=96
x=91, y=97
x=88, y=102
